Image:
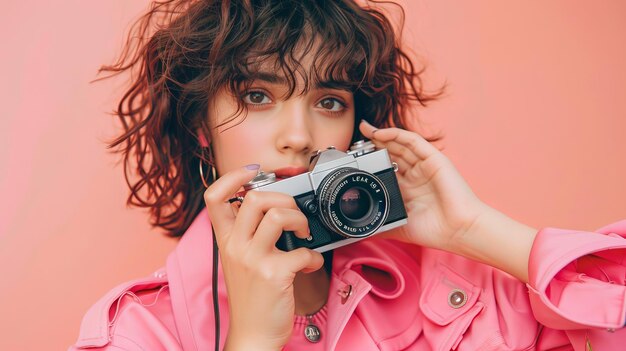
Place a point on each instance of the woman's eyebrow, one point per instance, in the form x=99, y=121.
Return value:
x=268, y=77
x=333, y=84
x=273, y=78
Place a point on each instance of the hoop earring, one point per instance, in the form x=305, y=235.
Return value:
x=213, y=174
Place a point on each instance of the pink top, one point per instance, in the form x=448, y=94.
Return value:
x=418, y=299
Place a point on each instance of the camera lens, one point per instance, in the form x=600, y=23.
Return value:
x=355, y=203
x=352, y=202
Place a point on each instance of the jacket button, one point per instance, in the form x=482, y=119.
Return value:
x=457, y=298
x=345, y=293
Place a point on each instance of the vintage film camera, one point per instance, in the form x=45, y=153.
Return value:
x=346, y=197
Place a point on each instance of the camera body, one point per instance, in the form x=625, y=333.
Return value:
x=346, y=197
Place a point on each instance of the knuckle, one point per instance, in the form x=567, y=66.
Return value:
x=395, y=131
x=210, y=196
x=250, y=260
x=296, y=213
x=275, y=215
x=284, y=199
x=287, y=198
x=305, y=254
x=252, y=197
x=262, y=269
x=267, y=272
x=292, y=201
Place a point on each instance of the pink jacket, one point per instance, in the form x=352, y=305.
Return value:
x=424, y=299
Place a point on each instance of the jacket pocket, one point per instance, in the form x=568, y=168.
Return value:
x=450, y=303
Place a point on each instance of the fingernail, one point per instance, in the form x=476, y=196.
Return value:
x=369, y=124
x=253, y=167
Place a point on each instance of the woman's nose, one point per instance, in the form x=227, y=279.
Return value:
x=294, y=130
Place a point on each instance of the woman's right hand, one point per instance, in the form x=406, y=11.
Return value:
x=259, y=277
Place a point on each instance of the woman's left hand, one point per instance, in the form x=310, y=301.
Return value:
x=440, y=205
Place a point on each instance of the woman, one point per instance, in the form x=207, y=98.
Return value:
x=225, y=89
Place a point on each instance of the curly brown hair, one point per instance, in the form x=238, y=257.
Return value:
x=181, y=52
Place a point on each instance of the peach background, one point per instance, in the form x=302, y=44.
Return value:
x=535, y=119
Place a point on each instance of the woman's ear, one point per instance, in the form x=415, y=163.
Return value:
x=202, y=138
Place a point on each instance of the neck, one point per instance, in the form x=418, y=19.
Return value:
x=310, y=291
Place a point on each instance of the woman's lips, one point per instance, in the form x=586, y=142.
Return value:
x=287, y=172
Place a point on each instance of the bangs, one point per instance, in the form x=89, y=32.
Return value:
x=305, y=44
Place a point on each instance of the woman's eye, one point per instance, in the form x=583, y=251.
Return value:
x=256, y=98
x=331, y=104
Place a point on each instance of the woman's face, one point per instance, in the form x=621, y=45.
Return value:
x=279, y=133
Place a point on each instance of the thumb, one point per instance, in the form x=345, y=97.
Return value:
x=303, y=260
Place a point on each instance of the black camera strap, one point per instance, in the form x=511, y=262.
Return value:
x=216, y=306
